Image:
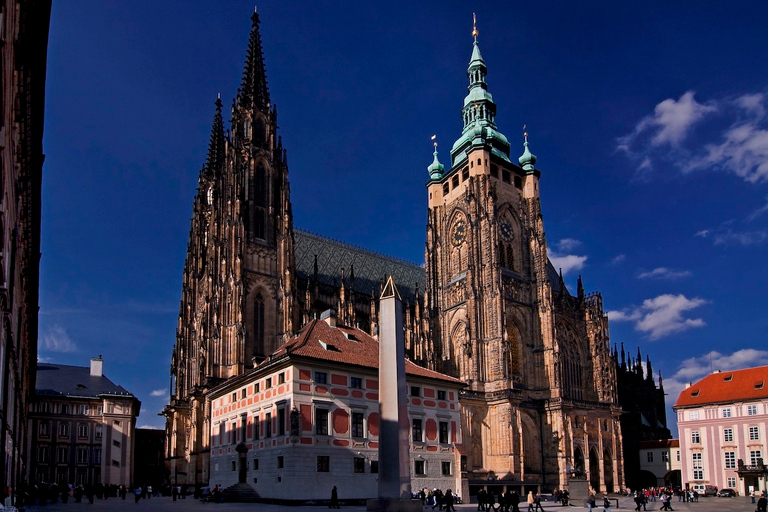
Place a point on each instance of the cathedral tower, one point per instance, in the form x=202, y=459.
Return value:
x=541, y=396
x=239, y=277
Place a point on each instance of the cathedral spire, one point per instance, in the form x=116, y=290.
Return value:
x=253, y=90
x=479, y=111
x=215, y=159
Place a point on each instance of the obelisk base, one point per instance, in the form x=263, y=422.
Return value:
x=394, y=505
x=578, y=491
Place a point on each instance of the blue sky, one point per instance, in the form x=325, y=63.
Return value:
x=648, y=119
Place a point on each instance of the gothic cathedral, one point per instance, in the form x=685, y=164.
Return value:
x=540, y=407
x=237, y=297
x=541, y=401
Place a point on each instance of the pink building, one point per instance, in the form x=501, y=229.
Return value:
x=722, y=422
x=307, y=419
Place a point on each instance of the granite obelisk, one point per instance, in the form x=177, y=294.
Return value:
x=394, y=460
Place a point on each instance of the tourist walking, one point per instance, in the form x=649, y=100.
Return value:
x=334, y=498
x=606, y=504
x=448, y=501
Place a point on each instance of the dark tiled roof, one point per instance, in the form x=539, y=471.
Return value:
x=370, y=268
x=65, y=380
x=724, y=387
x=349, y=345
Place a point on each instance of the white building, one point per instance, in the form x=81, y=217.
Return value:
x=662, y=459
x=307, y=419
x=722, y=422
x=81, y=427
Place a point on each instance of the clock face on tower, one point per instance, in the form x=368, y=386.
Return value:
x=459, y=233
x=505, y=230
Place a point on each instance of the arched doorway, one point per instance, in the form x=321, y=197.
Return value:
x=608, y=468
x=594, y=470
x=578, y=462
x=673, y=478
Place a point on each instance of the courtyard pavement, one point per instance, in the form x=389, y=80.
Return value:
x=710, y=504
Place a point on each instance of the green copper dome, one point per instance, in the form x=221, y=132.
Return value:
x=436, y=169
x=527, y=159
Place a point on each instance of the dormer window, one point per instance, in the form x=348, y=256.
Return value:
x=728, y=378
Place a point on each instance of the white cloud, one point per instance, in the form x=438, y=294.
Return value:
x=56, y=339
x=159, y=392
x=568, y=244
x=563, y=261
x=698, y=367
x=743, y=238
x=624, y=316
x=661, y=316
x=664, y=273
x=153, y=427
x=739, y=147
x=755, y=214
x=670, y=124
x=618, y=259
x=567, y=262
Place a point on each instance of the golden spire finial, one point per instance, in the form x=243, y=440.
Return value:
x=525, y=133
x=474, y=26
x=434, y=141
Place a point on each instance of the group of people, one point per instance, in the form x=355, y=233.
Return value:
x=643, y=497
x=508, y=501
x=438, y=498
x=562, y=497
x=592, y=502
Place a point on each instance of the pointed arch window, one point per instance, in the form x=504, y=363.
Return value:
x=259, y=195
x=258, y=323
x=570, y=362
x=513, y=352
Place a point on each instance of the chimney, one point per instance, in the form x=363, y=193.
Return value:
x=329, y=317
x=688, y=384
x=96, y=365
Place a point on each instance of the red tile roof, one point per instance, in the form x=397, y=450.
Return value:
x=342, y=344
x=724, y=387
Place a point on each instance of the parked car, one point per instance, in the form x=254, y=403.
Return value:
x=728, y=493
x=710, y=490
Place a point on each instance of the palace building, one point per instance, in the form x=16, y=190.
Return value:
x=540, y=405
x=723, y=423
x=310, y=413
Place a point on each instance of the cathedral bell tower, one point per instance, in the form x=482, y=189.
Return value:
x=540, y=395
x=484, y=245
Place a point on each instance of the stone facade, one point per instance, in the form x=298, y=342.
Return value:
x=81, y=427
x=644, y=419
x=541, y=405
x=23, y=52
x=303, y=421
x=542, y=397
